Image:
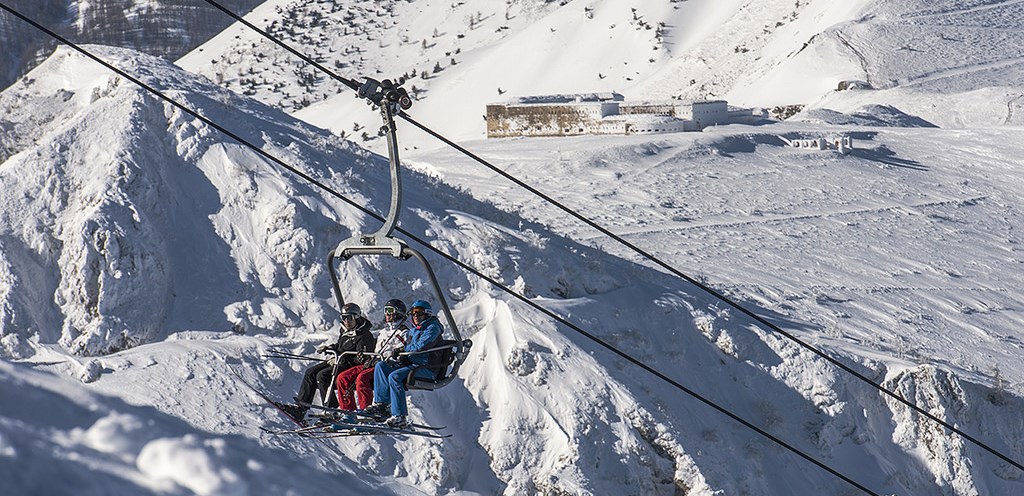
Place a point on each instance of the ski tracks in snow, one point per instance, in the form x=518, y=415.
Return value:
x=670, y=227
x=969, y=10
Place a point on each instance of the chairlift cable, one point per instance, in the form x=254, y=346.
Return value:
x=643, y=253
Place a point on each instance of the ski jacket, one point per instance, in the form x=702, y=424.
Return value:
x=359, y=339
x=390, y=338
x=423, y=337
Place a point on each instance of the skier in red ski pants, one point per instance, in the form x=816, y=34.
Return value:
x=355, y=384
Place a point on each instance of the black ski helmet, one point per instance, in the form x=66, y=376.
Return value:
x=351, y=309
x=398, y=305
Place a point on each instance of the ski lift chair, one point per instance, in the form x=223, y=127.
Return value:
x=442, y=364
x=447, y=354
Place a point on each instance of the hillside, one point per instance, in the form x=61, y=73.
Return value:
x=145, y=258
x=951, y=63
x=116, y=178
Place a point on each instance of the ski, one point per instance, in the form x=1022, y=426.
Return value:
x=294, y=432
x=378, y=428
x=301, y=424
x=357, y=417
x=360, y=431
x=330, y=425
x=376, y=432
x=277, y=405
x=343, y=429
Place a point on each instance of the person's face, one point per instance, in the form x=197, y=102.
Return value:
x=348, y=320
x=418, y=315
x=391, y=314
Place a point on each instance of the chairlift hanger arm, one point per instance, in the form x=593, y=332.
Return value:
x=390, y=98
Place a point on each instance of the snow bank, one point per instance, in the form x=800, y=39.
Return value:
x=868, y=115
x=191, y=464
x=96, y=228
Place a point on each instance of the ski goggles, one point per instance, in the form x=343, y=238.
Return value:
x=418, y=313
x=349, y=316
x=391, y=310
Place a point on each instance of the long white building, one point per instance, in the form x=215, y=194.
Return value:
x=604, y=113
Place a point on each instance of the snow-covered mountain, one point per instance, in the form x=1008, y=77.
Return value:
x=459, y=56
x=144, y=256
x=167, y=28
x=142, y=230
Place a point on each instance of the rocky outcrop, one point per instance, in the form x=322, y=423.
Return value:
x=165, y=28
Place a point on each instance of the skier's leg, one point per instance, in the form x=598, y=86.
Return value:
x=396, y=383
x=309, y=382
x=345, y=386
x=381, y=389
x=364, y=387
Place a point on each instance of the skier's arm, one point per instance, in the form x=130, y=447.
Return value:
x=423, y=339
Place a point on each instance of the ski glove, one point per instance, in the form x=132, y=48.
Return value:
x=395, y=353
x=324, y=348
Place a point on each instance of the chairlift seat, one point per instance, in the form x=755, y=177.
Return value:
x=442, y=365
x=438, y=363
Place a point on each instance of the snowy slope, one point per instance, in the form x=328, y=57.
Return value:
x=946, y=59
x=128, y=225
x=910, y=228
x=537, y=409
x=132, y=257
x=167, y=28
x=179, y=290
x=906, y=252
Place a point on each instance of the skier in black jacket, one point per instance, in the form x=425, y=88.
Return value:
x=355, y=336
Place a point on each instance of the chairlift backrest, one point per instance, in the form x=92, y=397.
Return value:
x=444, y=362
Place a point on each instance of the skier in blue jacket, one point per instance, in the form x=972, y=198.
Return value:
x=389, y=375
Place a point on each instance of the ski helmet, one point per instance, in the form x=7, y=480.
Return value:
x=398, y=306
x=421, y=304
x=351, y=309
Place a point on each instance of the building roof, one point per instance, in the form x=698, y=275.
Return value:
x=607, y=96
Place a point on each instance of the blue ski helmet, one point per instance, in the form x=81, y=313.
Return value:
x=421, y=304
